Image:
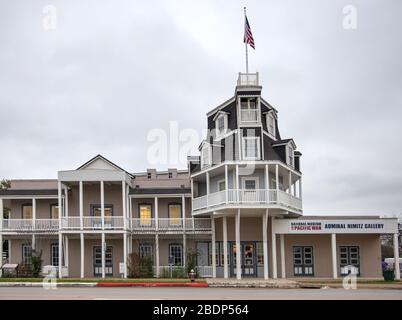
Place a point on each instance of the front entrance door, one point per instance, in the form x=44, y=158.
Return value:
x=303, y=262
x=248, y=259
x=97, y=259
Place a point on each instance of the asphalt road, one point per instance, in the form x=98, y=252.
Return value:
x=20, y=293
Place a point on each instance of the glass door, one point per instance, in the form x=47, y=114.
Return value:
x=97, y=261
x=303, y=262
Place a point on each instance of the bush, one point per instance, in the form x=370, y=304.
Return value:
x=146, y=267
x=192, y=256
x=36, y=263
x=138, y=267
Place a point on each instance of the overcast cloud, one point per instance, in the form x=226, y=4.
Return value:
x=112, y=71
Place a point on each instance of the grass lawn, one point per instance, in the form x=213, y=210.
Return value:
x=359, y=281
x=149, y=280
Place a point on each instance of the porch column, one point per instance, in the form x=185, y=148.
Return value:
x=184, y=251
x=207, y=185
x=300, y=187
x=82, y=254
x=157, y=254
x=226, y=184
x=1, y=252
x=124, y=202
x=103, y=254
x=290, y=182
x=102, y=196
x=237, y=184
x=60, y=252
x=33, y=243
x=265, y=242
x=192, y=199
x=225, y=248
x=81, y=205
x=183, y=211
x=266, y=183
x=282, y=246
x=125, y=254
x=238, y=251
x=274, y=260
x=333, y=250
x=156, y=214
x=396, y=257
x=1, y=214
x=66, y=201
x=213, y=245
x=277, y=181
x=66, y=263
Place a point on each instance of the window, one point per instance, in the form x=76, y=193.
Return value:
x=27, y=211
x=54, y=258
x=260, y=253
x=271, y=124
x=145, y=214
x=221, y=185
x=149, y=175
x=250, y=184
x=174, y=214
x=97, y=259
x=217, y=245
x=290, y=156
x=349, y=256
x=251, y=148
x=170, y=175
x=26, y=254
x=145, y=251
x=54, y=211
x=97, y=212
x=221, y=125
x=176, y=253
x=206, y=156
x=303, y=263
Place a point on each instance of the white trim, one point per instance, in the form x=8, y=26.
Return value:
x=244, y=179
x=258, y=148
x=208, y=148
x=220, y=133
x=218, y=182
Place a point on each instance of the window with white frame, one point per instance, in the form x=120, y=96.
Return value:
x=26, y=254
x=145, y=250
x=251, y=148
x=175, y=214
x=221, y=185
x=271, y=124
x=205, y=156
x=55, y=255
x=176, y=253
x=290, y=157
x=221, y=125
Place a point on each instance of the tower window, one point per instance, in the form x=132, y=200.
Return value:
x=271, y=124
x=221, y=124
x=290, y=156
x=251, y=148
x=170, y=175
x=206, y=156
x=149, y=175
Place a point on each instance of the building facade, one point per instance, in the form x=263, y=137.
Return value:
x=239, y=206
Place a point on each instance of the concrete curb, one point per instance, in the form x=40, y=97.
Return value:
x=40, y=284
x=152, y=284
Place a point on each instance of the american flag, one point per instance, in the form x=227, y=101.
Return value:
x=248, y=36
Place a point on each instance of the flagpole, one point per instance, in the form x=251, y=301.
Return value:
x=245, y=44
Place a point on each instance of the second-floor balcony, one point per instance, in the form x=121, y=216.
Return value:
x=248, y=198
x=30, y=225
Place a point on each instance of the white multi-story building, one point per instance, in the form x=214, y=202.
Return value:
x=239, y=205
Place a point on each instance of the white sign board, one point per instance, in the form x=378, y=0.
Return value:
x=122, y=267
x=316, y=226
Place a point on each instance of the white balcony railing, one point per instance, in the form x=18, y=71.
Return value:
x=30, y=225
x=249, y=115
x=93, y=223
x=248, y=79
x=170, y=224
x=248, y=197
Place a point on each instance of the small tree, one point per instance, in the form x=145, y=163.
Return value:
x=192, y=256
x=133, y=265
x=146, y=270
x=36, y=263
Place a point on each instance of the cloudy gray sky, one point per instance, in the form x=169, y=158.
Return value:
x=112, y=71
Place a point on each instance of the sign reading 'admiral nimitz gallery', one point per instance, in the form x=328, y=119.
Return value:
x=336, y=226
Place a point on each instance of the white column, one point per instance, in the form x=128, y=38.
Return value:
x=125, y=254
x=226, y=183
x=282, y=246
x=102, y=195
x=290, y=182
x=1, y=252
x=396, y=257
x=277, y=181
x=300, y=187
x=34, y=213
x=192, y=199
x=1, y=214
x=66, y=262
x=333, y=250
x=267, y=183
x=184, y=251
x=33, y=242
x=237, y=183
x=238, y=251
x=10, y=254
x=60, y=250
x=156, y=214
x=225, y=247
x=82, y=254
x=274, y=260
x=81, y=205
x=103, y=254
x=265, y=242
x=124, y=202
x=213, y=246
x=207, y=183
x=183, y=211
x=157, y=254
x=66, y=201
